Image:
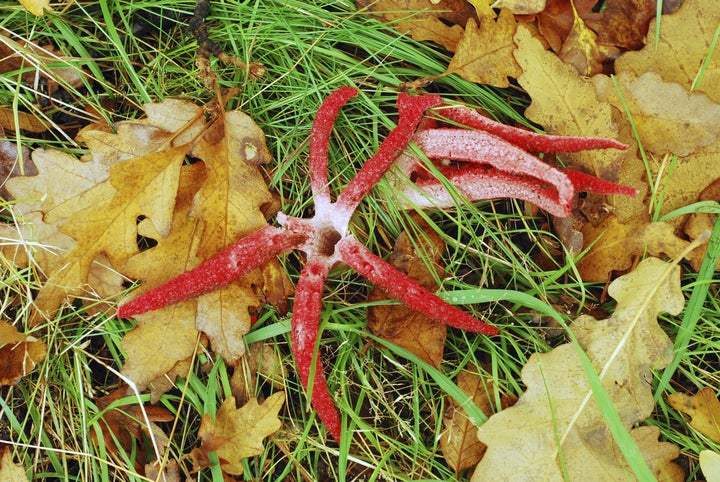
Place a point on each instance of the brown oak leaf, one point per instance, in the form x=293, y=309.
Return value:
x=19, y=353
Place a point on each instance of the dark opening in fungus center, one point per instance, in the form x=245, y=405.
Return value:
x=326, y=240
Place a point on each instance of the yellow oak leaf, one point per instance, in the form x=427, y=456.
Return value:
x=19, y=353
x=424, y=19
x=228, y=204
x=557, y=430
x=237, y=433
x=160, y=341
x=484, y=54
x=669, y=119
x=617, y=245
x=36, y=7
x=703, y=408
x=682, y=50
x=106, y=223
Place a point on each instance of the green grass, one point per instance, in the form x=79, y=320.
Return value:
x=392, y=401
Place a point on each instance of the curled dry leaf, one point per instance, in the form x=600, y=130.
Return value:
x=237, y=433
x=122, y=426
x=519, y=7
x=558, y=414
x=19, y=353
x=703, y=408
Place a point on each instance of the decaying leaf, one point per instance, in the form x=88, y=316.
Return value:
x=9, y=470
x=459, y=442
x=19, y=353
x=169, y=472
x=237, y=433
x=703, y=408
x=556, y=430
x=18, y=120
x=484, y=54
x=555, y=22
x=580, y=48
x=401, y=325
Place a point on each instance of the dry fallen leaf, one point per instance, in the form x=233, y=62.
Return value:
x=259, y=363
x=580, y=48
x=556, y=20
x=401, y=325
x=36, y=7
x=169, y=472
x=710, y=465
x=671, y=120
x=558, y=405
x=684, y=43
x=123, y=426
x=668, y=118
x=484, y=54
x=618, y=245
x=19, y=353
x=459, y=442
x=9, y=470
x=17, y=120
x=703, y=408
x=519, y=7
x=237, y=433
x=424, y=19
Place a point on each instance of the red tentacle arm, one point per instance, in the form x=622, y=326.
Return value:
x=411, y=113
x=236, y=260
x=305, y=324
x=320, y=139
x=405, y=289
x=528, y=140
x=589, y=183
x=514, y=172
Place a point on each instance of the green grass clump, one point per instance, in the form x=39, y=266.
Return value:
x=126, y=53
